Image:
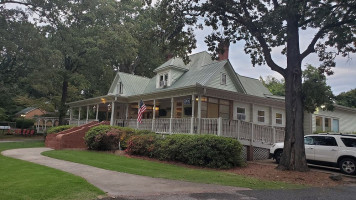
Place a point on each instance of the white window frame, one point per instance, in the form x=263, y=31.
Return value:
x=223, y=79
x=261, y=118
x=120, y=88
x=163, y=78
x=241, y=115
x=279, y=118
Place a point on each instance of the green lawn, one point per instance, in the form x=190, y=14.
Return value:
x=25, y=180
x=160, y=170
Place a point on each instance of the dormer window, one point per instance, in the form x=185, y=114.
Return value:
x=163, y=80
x=223, y=79
x=120, y=88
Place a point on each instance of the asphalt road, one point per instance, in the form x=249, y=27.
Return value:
x=342, y=192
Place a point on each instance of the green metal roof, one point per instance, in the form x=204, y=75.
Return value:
x=198, y=59
x=253, y=86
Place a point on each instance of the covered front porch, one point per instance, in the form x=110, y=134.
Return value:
x=189, y=114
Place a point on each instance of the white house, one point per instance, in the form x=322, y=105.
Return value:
x=203, y=96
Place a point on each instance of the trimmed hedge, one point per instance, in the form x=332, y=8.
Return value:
x=24, y=123
x=58, y=129
x=106, y=137
x=200, y=150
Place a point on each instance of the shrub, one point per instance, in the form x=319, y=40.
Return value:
x=105, y=137
x=144, y=145
x=24, y=123
x=58, y=129
x=201, y=150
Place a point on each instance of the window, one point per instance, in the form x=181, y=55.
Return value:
x=325, y=141
x=261, y=116
x=349, y=142
x=163, y=80
x=241, y=114
x=121, y=88
x=319, y=123
x=223, y=79
x=278, y=118
x=308, y=141
x=327, y=124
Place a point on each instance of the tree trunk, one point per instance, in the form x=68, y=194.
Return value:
x=62, y=106
x=293, y=157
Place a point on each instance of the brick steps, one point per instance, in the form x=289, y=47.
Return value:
x=71, y=138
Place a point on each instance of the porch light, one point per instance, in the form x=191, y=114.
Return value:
x=109, y=106
x=202, y=99
x=156, y=108
x=94, y=107
x=322, y=106
x=103, y=100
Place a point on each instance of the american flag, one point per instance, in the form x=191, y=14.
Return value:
x=142, y=109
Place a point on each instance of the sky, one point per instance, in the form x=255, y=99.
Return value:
x=343, y=79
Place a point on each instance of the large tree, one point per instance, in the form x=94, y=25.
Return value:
x=347, y=98
x=276, y=24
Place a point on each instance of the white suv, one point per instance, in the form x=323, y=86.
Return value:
x=336, y=150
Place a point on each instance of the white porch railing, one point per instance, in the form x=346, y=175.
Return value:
x=246, y=132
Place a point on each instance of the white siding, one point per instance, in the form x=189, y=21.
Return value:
x=347, y=119
x=215, y=81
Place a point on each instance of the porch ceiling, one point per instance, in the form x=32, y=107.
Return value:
x=98, y=100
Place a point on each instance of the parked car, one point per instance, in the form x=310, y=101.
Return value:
x=335, y=150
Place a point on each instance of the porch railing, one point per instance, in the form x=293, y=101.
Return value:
x=246, y=132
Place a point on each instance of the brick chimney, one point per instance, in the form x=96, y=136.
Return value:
x=223, y=50
x=169, y=56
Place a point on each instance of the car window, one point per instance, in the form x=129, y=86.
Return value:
x=349, y=142
x=308, y=141
x=325, y=141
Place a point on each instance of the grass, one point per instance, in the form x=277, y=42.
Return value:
x=161, y=170
x=24, y=180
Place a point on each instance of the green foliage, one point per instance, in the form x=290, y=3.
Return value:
x=316, y=93
x=57, y=129
x=105, y=137
x=143, y=145
x=3, y=116
x=200, y=150
x=275, y=86
x=24, y=123
x=347, y=98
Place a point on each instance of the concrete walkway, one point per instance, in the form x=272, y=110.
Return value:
x=117, y=183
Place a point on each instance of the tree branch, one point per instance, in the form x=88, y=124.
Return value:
x=257, y=34
x=17, y=2
x=310, y=49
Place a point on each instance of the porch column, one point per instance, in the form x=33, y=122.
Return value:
x=86, y=121
x=271, y=116
x=112, y=120
x=153, y=114
x=323, y=123
x=192, y=119
x=170, y=120
x=97, y=112
x=45, y=124
x=252, y=114
x=138, y=109
x=127, y=111
x=70, y=114
x=80, y=108
x=199, y=114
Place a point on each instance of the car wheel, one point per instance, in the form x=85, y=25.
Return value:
x=278, y=156
x=347, y=166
